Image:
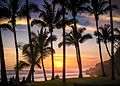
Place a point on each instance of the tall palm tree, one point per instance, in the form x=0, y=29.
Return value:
x=70, y=39
x=74, y=7
x=3, y=67
x=50, y=18
x=98, y=7
x=29, y=8
x=112, y=42
x=12, y=9
x=62, y=3
x=42, y=41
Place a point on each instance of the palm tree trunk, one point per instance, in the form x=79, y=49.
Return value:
x=107, y=50
x=80, y=74
x=3, y=68
x=16, y=47
x=100, y=51
x=80, y=63
x=44, y=69
x=28, y=79
x=30, y=41
x=112, y=43
x=64, y=49
x=52, y=78
x=77, y=45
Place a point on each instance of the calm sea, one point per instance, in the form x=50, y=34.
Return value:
x=70, y=73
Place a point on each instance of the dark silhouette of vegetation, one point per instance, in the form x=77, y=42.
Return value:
x=12, y=9
x=70, y=39
x=29, y=8
x=42, y=41
x=74, y=7
x=2, y=59
x=27, y=62
x=98, y=7
x=62, y=3
x=49, y=18
x=112, y=43
x=105, y=37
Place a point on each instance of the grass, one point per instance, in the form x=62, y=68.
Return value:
x=80, y=82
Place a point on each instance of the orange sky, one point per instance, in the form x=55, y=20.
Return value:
x=71, y=62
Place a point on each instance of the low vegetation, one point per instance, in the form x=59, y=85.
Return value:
x=98, y=81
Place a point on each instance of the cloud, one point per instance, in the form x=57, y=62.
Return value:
x=18, y=21
x=82, y=20
x=117, y=11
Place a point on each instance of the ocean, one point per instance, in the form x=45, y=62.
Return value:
x=70, y=73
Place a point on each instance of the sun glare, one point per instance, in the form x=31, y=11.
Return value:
x=58, y=64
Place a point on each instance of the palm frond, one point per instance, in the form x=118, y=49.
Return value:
x=6, y=27
x=21, y=65
x=38, y=65
x=60, y=44
x=85, y=37
x=38, y=22
x=32, y=7
x=4, y=12
x=68, y=43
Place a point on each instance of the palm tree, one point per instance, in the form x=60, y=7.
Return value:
x=105, y=37
x=112, y=42
x=74, y=7
x=62, y=3
x=98, y=7
x=3, y=68
x=12, y=9
x=42, y=41
x=27, y=62
x=50, y=18
x=70, y=39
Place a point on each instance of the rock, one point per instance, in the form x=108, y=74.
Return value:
x=107, y=66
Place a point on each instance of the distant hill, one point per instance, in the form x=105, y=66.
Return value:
x=107, y=66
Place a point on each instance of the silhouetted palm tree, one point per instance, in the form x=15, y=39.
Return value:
x=70, y=39
x=12, y=9
x=51, y=19
x=42, y=41
x=62, y=3
x=27, y=62
x=112, y=42
x=30, y=8
x=74, y=7
x=3, y=67
x=105, y=37
x=98, y=7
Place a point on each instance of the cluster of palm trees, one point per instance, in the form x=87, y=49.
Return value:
x=54, y=15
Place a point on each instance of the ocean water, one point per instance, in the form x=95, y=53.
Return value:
x=70, y=73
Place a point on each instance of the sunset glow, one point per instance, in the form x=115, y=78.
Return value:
x=45, y=44
x=58, y=64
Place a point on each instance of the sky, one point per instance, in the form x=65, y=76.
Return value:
x=89, y=49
